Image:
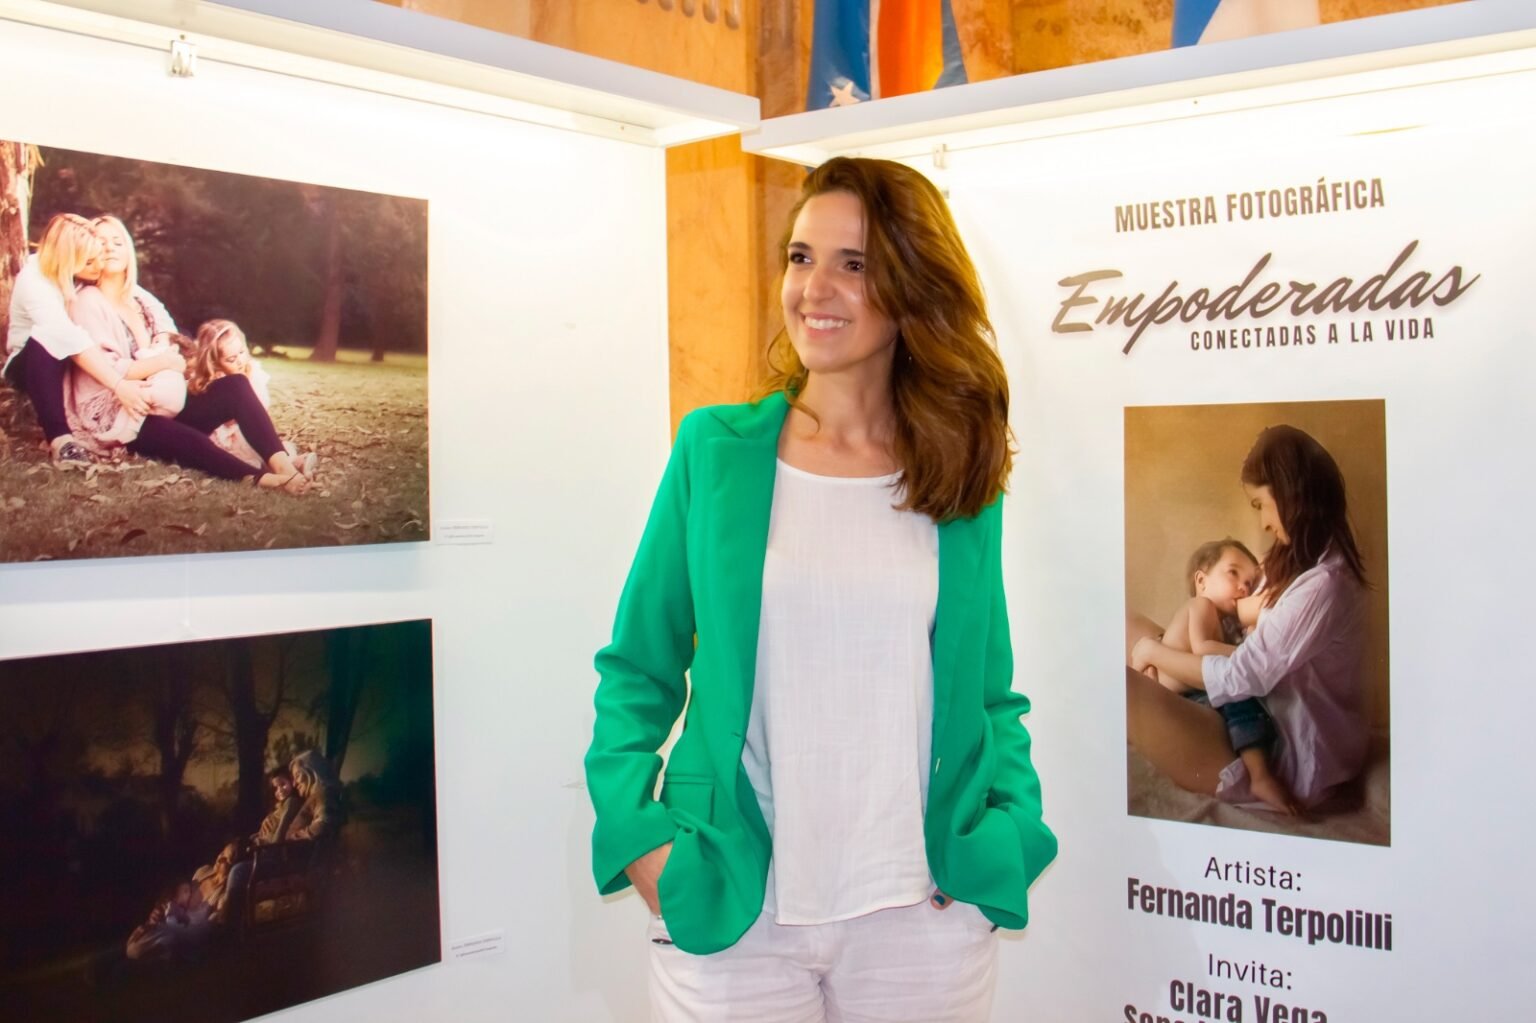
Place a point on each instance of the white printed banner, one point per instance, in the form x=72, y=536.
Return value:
x=1357, y=271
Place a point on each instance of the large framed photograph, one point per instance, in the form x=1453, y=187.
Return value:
x=207, y=832
x=201, y=361
x=1256, y=538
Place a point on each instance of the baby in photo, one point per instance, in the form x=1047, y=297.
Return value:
x=1221, y=574
x=165, y=390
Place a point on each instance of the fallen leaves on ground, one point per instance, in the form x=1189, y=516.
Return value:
x=370, y=430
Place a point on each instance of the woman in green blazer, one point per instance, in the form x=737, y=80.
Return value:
x=886, y=419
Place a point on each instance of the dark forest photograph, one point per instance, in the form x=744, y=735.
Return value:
x=203, y=361
x=208, y=832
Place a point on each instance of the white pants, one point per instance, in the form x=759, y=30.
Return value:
x=914, y=964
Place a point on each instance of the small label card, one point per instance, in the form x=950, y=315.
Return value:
x=483, y=946
x=464, y=531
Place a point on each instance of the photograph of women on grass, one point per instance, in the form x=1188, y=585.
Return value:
x=202, y=361
x=1256, y=617
x=207, y=832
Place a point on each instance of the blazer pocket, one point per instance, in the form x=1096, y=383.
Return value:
x=689, y=796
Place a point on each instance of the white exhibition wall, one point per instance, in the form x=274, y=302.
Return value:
x=1454, y=164
x=548, y=421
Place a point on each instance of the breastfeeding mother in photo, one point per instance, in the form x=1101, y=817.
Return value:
x=130, y=326
x=849, y=811
x=1303, y=658
x=43, y=344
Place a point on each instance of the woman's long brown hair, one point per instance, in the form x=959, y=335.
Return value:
x=952, y=439
x=1308, y=489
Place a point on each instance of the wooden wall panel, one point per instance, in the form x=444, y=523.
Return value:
x=986, y=37
x=1343, y=10
x=1057, y=33
x=713, y=290
x=643, y=34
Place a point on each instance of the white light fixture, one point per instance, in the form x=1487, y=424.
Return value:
x=1367, y=55
x=372, y=46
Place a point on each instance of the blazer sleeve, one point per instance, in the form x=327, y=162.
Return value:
x=1016, y=787
x=642, y=682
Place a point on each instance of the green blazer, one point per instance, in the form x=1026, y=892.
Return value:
x=692, y=604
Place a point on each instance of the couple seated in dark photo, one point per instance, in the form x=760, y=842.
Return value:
x=193, y=912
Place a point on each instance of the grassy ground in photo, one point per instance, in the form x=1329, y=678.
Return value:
x=367, y=421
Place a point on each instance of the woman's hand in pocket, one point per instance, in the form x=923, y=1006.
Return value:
x=645, y=874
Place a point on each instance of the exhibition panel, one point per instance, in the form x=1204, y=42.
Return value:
x=1326, y=274
x=158, y=866
x=531, y=250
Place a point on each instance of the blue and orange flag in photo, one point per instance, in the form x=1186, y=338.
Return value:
x=863, y=49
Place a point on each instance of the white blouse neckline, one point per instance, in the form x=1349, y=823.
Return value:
x=867, y=481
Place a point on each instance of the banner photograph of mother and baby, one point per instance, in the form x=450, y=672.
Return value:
x=1257, y=691
x=202, y=361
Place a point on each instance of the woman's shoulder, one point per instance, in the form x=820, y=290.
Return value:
x=744, y=419
x=1331, y=569
x=143, y=295
x=90, y=297
x=1328, y=581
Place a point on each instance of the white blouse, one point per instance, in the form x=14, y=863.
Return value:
x=38, y=312
x=840, y=729
x=1304, y=658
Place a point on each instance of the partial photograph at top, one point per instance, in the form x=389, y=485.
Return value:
x=201, y=361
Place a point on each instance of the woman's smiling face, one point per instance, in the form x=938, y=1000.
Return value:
x=1262, y=499
x=827, y=313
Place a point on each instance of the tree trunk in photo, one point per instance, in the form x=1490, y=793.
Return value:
x=175, y=734
x=17, y=161
x=251, y=725
x=39, y=742
x=347, y=655
x=329, y=336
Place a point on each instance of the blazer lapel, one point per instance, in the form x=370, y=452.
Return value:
x=960, y=549
x=741, y=470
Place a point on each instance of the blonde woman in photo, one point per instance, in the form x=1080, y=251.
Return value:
x=133, y=328
x=120, y=316
x=43, y=343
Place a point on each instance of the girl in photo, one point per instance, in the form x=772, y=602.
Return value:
x=850, y=810
x=220, y=350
